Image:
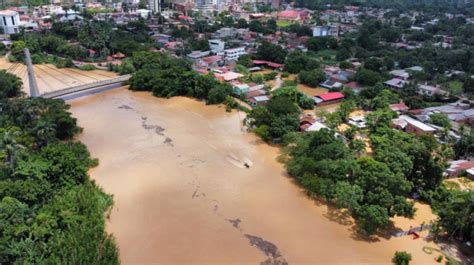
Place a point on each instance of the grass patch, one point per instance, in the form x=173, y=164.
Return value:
x=327, y=54
x=283, y=23
x=87, y=67
x=452, y=185
x=455, y=87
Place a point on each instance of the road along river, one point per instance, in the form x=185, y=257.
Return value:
x=183, y=195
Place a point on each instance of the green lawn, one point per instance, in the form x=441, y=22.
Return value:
x=283, y=23
x=455, y=87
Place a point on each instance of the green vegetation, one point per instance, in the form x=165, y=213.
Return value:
x=298, y=61
x=93, y=41
x=271, y=52
x=372, y=189
x=283, y=23
x=50, y=211
x=367, y=188
x=454, y=208
x=10, y=85
x=440, y=120
x=401, y=258
x=87, y=67
x=312, y=78
x=166, y=76
x=455, y=87
x=277, y=118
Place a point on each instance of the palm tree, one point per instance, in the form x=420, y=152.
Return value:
x=9, y=146
x=44, y=132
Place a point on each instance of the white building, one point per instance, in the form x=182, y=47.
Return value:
x=9, y=21
x=234, y=54
x=143, y=13
x=154, y=6
x=427, y=90
x=396, y=84
x=216, y=45
x=196, y=55
x=205, y=6
x=323, y=31
x=47, y=10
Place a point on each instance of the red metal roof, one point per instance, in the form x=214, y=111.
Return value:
x=289, y=14
x=184, y=17
x=331, y=96
x=267, y=63
x=212, y=59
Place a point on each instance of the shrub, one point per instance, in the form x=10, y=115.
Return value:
x=263, y=131
x=87, y=67
x=401, y=258
x=12, y=58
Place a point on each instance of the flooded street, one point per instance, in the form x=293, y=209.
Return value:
x=183, y=195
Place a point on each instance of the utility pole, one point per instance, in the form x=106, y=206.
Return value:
x=34, y=92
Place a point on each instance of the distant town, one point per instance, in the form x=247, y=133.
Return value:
x=371, y=102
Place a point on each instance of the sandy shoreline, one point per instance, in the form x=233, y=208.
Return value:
x=183, y=196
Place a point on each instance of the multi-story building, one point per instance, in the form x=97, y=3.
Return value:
x=9, y=21
x=205, y=6
x=234, y=54
x=47, y=10
x=216, y=45
x=154, y=6
x=322, y=31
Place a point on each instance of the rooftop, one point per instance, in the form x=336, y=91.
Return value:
x=331, y=96
x=8, y=13
x=229, y=76
x=289, y=14
x=396, y=82
x=420, y=125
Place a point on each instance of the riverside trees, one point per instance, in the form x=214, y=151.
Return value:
x=166, y=76
x=372, y=188
x=50, y=211
x=366, y=187
x=10, y=85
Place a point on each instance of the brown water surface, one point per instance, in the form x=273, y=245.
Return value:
x=183, y=195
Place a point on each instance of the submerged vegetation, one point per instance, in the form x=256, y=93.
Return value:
x=50, y=211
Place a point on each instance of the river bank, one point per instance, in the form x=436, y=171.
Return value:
x=183, y=195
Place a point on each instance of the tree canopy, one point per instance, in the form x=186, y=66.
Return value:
x=50, y=211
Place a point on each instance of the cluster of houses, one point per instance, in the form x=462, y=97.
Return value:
x=228, y=44
x=418, y=122
x=336, y=77
x=40, y=17
x=402, y=78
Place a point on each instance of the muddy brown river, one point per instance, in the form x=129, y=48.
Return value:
x=183, y=194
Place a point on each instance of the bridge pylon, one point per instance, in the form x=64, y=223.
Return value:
x=34, y=91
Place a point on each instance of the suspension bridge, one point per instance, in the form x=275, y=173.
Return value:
x=68, y=91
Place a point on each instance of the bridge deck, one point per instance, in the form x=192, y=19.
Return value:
x=75, y=89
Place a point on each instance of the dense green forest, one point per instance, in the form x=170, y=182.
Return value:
x=50, y=210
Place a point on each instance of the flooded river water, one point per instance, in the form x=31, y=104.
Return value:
x=183, y=195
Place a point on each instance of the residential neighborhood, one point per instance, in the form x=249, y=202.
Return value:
x=368, y=106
